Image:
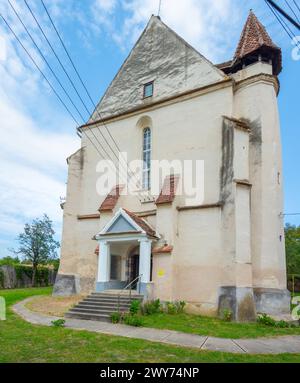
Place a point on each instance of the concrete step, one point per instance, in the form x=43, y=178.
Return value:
x=86, y=305
x=114, y=301
x=122, y=296
x=87, y=316
x=100, y=306
x=117, y=292
x=76, y=310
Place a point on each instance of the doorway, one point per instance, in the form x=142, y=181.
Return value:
x=133, y=267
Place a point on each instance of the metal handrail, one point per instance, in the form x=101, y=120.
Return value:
x=126, y=287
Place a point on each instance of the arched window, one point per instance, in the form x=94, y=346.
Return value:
x=146, y=158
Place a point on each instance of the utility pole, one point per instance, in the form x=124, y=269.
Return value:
x=284, y=14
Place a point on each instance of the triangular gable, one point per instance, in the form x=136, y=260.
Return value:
x=121, y=223
x=160, y=55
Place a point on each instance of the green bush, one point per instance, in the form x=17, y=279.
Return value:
x=282, y=324
x=135, y=307
x=266, y=320
x=116, y=317
x=58, y=323
x=227, y=315
x=151, y=307
x=9, y=261
x=133, y=320
x=180, y=306
x=171, y=308
x=42, y=274
x=174, y=307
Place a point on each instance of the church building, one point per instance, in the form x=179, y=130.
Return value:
x=168, y=102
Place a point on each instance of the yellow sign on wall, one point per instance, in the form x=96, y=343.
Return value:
x=161, y=273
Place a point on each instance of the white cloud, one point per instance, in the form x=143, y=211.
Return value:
x=105, y=5
x=2, y=49
x=201, y=23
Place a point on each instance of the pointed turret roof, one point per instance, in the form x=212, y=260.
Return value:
x=253, y=37
x=254, y=42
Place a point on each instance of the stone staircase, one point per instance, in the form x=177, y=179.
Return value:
x=100, y=306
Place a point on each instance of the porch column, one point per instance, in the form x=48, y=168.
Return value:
x=104, y=262
x=145, y=260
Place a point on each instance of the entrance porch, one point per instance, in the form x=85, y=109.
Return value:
x=125, y=247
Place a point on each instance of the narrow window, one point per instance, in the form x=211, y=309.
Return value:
x=148, y=90
x=146, y=158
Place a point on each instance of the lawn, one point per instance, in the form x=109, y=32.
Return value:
x=23, y=342
x=214, y=327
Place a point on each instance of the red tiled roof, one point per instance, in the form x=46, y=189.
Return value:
x=111, y=199
x=142, y=223
x=166, y=249
x=168, y=190
x=253, y=37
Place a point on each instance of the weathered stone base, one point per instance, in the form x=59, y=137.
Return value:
x=110, y=285
x=66, y=285
x=145, y=289
x=272, y=301
x=240, y=301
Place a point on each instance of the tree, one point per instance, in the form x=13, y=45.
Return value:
x=292, y=244
x=37, y=244
x=9, y=261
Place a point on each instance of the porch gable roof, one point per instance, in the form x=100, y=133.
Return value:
x=125, y=222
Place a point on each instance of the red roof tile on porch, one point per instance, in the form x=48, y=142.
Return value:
x=142, y=223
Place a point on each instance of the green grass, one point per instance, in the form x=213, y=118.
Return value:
x=214, y=327
x=23, y=342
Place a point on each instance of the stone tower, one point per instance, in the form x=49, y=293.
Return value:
x=255, y=67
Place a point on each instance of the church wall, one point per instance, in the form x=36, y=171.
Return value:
x=198, y=259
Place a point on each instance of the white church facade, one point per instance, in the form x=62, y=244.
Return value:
x=168, y=103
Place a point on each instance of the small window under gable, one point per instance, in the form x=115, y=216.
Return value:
x=148, y=89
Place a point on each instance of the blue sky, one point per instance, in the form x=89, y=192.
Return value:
x=36, y=133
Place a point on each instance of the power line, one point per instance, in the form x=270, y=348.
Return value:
x=42, y=73
x=55, y=54
x=283, y=13
x=45, y=60
x=288, y=4
x=54, y=74
x=297, y=6
x=283, y=23
x=61, y=64
x=39, y=69
x=292, y=34
x=86, y=90
x=48, y=82
x=76, y=71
